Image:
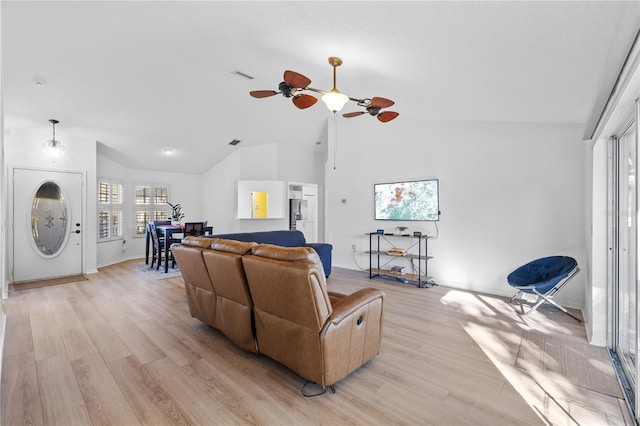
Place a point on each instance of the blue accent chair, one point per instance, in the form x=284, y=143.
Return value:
x=544, y=278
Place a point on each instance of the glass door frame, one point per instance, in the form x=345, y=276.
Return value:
x=630, y=374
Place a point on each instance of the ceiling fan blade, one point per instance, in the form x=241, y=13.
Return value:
x=353, y=114
x=381, y=102
x=385, y=116
x=296, y=80
x=263, y=93
x=303, y=101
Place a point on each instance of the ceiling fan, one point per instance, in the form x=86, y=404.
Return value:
x=373, y=107
x=294, y=83
x=289, y=88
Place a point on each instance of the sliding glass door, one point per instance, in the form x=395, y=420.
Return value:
x=624, y=259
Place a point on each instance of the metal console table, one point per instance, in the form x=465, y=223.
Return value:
x=383, y=255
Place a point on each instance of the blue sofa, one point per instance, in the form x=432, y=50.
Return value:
x=284, y=238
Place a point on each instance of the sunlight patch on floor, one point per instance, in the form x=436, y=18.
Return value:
x=500, y=332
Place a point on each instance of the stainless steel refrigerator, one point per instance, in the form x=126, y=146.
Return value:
x=297, y=211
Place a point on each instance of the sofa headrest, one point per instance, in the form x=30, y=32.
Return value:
x=286, y=253
x=285, y=238
x=200, y=242
x=232, y=246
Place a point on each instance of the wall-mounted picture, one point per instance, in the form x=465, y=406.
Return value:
x=412, y=200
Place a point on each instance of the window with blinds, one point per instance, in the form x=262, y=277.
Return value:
x=150, y=205
x=110, y=208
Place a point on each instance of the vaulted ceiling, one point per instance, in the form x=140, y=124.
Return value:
x=140, y=77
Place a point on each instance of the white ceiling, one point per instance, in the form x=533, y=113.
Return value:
x=143, y=76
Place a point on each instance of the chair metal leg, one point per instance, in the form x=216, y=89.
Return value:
x=522, y=311
x=553, y=302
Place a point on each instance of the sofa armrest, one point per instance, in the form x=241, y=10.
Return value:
x=351, y=336
x=347, y=305
x=335, y=297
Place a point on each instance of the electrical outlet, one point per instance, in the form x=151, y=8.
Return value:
x=353, y=248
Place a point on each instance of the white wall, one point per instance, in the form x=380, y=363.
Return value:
x=24, y=149
x=509, y=193
x=219, y=202
x=596, y=303
x=185, y=189
x=271, y=161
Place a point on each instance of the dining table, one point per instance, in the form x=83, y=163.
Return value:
x=171, y=234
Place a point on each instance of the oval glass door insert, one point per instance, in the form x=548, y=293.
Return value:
x=49, y=219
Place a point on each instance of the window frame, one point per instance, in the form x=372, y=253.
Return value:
x=154, y=207
x=110, y=207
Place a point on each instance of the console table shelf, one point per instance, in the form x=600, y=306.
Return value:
x=388, y=272
x=381, y=261
x=407, y=255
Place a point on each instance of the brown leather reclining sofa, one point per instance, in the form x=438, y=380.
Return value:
x=274, y=300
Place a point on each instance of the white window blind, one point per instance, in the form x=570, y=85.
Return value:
x=110, y=208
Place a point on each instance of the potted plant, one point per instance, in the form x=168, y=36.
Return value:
x=401, y=229
x=176, y=213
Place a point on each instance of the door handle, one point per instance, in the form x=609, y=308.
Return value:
x=77, y=231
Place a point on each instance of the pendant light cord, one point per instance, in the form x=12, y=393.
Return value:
x=335, y=138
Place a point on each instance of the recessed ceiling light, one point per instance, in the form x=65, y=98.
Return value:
x=39, y=80
x=168, y=151
x=234, y=142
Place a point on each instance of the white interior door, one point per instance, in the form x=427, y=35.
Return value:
x=47, y=224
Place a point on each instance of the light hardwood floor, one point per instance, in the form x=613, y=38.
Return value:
x=122, y=349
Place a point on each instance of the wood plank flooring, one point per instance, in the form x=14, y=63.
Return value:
x=122, y=349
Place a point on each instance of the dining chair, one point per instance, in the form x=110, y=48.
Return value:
x=158, y=248
x=194, y=229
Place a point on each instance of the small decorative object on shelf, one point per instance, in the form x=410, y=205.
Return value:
x=417, y=233
x=396, y=269
x=380, y=231
x=176, y=212
x=401, y=229
x=395, y=251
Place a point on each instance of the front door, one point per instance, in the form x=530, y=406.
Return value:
x=47, y=224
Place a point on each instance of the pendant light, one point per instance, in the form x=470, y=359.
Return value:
x=53, y=148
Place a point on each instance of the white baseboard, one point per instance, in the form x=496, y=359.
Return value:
x=116, y=261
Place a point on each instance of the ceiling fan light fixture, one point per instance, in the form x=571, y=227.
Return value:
x=294, y=83
x=53, y=148
x=335, y=100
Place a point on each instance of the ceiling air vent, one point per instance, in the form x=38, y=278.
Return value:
x=242, y=74
x=234, y=142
